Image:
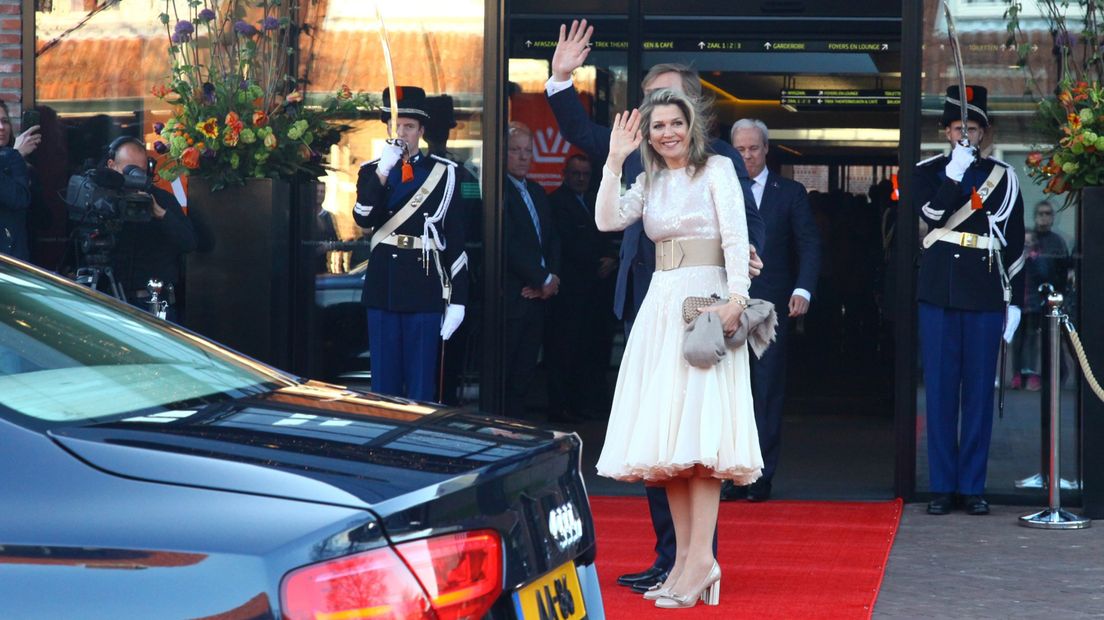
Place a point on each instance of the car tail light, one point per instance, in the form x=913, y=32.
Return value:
x=451, y=577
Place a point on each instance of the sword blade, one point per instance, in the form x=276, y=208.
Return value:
x=393, y=122
x=956, y=52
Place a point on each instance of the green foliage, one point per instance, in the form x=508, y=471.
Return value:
x=237, y=112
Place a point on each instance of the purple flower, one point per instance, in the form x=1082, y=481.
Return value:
x=270, y=23
x=208, y=92
x=244, y=84
x=1066, y=39
x=208, y=154
x=158, y=127
x=161, y=147
x=179, y=38
x=244, y=28
x=205, y=15
x=184, y=30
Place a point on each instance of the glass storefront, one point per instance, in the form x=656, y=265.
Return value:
x=97, y=65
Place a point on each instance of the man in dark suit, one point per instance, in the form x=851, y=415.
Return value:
x=532, y=262
x=578, y=337
x=791, y=232
x=637, y=251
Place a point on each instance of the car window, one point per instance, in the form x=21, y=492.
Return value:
x=68, y=355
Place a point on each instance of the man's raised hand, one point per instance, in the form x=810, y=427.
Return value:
x=571, y=50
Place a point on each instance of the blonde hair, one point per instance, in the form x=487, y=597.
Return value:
x=696, y=123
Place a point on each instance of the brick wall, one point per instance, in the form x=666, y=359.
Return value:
x=11, y=56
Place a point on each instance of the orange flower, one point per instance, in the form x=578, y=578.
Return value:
x=260, y=119
x=1074, y=120
x=190, y=157
x=1057, y=185
x=160, y=91
x=345, y=92
x=233, y=122
x=230, y=137
x=1034, y=159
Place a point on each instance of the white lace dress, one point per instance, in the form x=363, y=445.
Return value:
x=667, y=415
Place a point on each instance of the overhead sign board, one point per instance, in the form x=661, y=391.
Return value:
x=823, y=99
x=542, y=45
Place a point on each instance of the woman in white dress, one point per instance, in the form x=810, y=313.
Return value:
x=673, y=424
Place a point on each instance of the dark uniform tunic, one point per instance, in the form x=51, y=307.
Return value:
x=962, y=312
x=404, y=284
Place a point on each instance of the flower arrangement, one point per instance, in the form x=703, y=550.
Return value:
x=237, y=112
x=1072, y=119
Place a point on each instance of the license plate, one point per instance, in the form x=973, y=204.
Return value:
x=555, y=596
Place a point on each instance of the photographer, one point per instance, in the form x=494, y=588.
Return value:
x=153, y=249
x=15, y=189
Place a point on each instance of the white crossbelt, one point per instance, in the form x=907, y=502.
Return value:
x=406, y=242
x=970, y=240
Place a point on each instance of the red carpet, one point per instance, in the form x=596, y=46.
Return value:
x=779, y=559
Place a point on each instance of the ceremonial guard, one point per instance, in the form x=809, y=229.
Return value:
x=416, y=284
x=970, y=270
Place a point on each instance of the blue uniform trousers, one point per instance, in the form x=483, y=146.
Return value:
x=960, y=349
x=404, y=348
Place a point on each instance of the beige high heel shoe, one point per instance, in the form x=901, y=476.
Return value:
x=656, y=592
x=709, y=592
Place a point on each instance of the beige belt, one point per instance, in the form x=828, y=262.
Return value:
x=405, y=242
x=970, y=240
x=676, y=253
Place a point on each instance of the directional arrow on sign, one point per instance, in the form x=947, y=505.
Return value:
x=701, y=45
x=528, y=43
x=885, y=46
x=767, y=45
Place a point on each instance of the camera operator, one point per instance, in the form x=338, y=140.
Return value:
x=153, y=249
x=15, y=188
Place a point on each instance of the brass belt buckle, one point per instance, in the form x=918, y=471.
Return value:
x=968, y=240
x=405, y=242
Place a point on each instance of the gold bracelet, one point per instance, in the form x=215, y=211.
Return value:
x=739, y=299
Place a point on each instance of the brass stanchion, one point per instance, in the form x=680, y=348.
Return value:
x=1054, y=517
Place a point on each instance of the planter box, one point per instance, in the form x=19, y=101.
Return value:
x=239, y=280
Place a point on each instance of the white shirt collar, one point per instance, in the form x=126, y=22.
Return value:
x=761, y=179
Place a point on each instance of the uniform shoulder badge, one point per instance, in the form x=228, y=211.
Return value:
x=443, y=160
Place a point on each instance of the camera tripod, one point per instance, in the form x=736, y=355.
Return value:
x=92, y=277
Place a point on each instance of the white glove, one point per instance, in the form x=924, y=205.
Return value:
x=962, y=157
x=1011, y=322
x=454, y=316
x=392, y=153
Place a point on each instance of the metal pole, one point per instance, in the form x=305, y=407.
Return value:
x=1053, y=517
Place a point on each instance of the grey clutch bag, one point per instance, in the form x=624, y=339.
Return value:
x=704, y=344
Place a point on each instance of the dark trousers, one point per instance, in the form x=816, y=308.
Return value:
x=404, y=348
x=960, y=362
x=768, y=387
x=577, y=342
x=524, y=332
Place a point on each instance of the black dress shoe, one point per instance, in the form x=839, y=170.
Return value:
x=975, y=505
x=641, y=587
x=941, y=504
x=646, y=576
x=731, y=491
x=759, y=491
